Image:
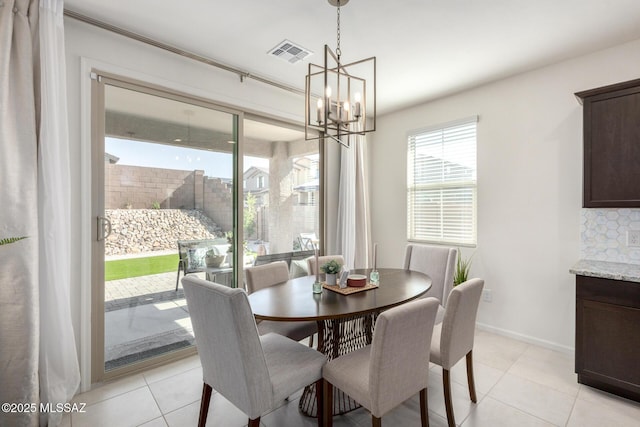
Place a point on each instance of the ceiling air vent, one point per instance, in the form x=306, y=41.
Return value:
x=290, y=51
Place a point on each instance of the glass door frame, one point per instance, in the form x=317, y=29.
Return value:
x=98, y=111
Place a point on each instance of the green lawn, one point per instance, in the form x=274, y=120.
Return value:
x=135, y=267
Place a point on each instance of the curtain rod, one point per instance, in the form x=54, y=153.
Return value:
x=135, y=36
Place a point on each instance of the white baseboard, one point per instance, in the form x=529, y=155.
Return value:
x=526, y=338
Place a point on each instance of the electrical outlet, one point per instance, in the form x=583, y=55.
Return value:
x=486, y=295
x=633, y=238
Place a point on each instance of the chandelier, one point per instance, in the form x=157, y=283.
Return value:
x=340, y=99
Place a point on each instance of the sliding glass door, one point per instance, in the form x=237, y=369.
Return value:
x=184, y=186
x=281, y=183
x=164, y=199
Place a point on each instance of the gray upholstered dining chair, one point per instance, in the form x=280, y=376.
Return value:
x=439, y=263
x=311, y=262
x=253, y=372
x=453, y=338
x=392, y=369
x=263, y=276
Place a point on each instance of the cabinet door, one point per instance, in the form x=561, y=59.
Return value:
x=612, y=149
x=608, y=335
x=610, y=347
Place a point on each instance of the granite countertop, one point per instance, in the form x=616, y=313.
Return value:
x=607, y=270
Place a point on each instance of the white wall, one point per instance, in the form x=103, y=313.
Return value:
x=88, y=46
x=529, y=188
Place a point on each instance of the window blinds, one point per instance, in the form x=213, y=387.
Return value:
x=441, y=184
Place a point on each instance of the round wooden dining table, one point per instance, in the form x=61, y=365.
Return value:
x=345, y=322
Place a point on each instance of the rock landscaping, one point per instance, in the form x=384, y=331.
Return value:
x=147, y=230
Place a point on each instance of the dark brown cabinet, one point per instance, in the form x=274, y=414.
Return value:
x=608, y=335
x=611, y=173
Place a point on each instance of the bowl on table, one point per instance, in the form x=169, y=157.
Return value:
x=357, y=280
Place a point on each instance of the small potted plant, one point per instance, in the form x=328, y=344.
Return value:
x=213, y=258
x=331, y=269
x=462, y=269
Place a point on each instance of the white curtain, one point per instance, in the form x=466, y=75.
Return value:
x=19, y=320
x=38, y=361
x=354, y=233
x=59, y=372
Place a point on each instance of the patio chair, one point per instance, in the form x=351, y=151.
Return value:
x=308, y=241
x=191, y=254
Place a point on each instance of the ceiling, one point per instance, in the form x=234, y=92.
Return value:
x=425, y=49
x=137, y=115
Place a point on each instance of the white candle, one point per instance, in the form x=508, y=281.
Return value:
x=357, y=111
x=320, y=115
x=327, y=94
x=317, y=268
x=375, y=250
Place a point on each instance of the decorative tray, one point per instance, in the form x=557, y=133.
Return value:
x=348, y=290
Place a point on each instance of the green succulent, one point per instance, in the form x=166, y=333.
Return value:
x=331, y=267
x=213, y=251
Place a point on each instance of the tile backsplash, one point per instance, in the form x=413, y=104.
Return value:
x=603, y=235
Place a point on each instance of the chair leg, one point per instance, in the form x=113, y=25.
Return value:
x=254, y=423
x=327, y=403
x=204, y=404
x=376, y=422
x=320, y=384
x=470, y=379
x=311, y=341
x=178, y=277
x=448, y=403
x=424, y=408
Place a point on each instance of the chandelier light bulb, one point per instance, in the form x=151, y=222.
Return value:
x=320, y=111
x=330, y=108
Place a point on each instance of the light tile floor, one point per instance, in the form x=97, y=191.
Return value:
x=518, y=385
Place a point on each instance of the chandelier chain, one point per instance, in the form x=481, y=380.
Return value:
x=339, y=103
x=338, y=51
